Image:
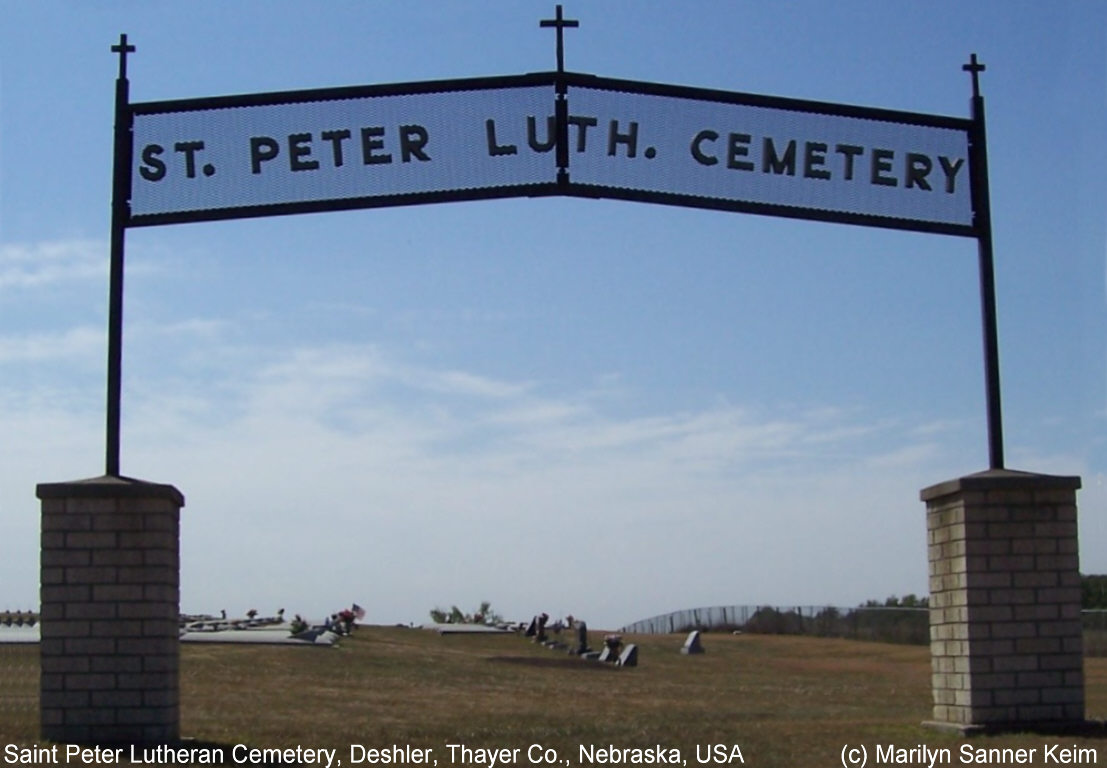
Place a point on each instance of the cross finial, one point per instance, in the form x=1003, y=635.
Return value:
x=974, y=68
x=123, y=48
x=559, y=23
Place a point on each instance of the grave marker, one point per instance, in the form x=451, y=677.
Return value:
x=692, y=644
x=629, y=656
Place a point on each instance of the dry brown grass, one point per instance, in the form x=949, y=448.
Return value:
x=786, y=700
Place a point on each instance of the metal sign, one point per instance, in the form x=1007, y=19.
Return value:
x=329, y=149
x=266, y=154
x=553, y=133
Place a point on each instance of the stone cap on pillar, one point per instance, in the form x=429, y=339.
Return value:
x=109, y=487
x=1000, y=479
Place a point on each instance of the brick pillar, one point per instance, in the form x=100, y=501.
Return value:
x=110, y=574
x=1006, y=640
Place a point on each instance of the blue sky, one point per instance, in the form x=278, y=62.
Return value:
x=603, y=408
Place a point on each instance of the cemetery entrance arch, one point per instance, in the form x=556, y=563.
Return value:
x=555, y=133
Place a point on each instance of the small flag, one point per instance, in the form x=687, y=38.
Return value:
x=359, y=612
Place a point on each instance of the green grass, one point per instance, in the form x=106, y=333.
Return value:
x=787, y=701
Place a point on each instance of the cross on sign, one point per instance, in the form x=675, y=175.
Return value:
x=123, y=48
x=560, y=23
x=974, y=67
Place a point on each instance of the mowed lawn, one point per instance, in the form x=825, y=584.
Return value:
x=785, y=701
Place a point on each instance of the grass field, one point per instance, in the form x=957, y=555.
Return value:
x=786, y=701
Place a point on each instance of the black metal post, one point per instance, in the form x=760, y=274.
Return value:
x=120, y=202
x=982, y=222
x=561, y=106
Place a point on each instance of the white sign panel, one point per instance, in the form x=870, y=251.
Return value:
x=388, y=145
x=767, y=156
x=237, y=157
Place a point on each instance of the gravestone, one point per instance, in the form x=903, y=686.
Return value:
x=581, y=646
x=629, y=656
x=611, y=646
x=692, y=645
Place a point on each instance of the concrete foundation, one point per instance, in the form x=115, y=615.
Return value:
x=110, y=591
x=1006, y=638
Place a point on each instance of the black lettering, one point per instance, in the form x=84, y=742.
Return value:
x=336, y=138
x=582, y=124
x=189, y=149
x=814, y=156
x=771, y=162
x=882, y=163
x=262, y=150
x=950, y=170
x=532, y=134
x=496, y=149
x=152, y=169
x=737, y=145
x=371, y=140
x=697, y=147
x=848, y=152
x=412, y=140
x=615, y=138
x=918, y=167
x=299, y=145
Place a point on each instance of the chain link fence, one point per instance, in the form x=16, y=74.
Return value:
x=893, y=625
x=876, y=623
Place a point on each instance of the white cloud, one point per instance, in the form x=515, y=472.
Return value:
x=83, y=343
x=38, y=264
x=343, y=472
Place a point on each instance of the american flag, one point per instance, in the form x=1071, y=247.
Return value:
x=358, y=611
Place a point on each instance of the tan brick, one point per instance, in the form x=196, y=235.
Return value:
x=90, y=506
x=65, y=629
x=89, y=681
x=116, y=628
x=1054, y=497
x=990, y=547
x=1059, y=595
x=1012, y=597
x=991, y=613
x=91, y=575
x=66, y=522
x=90, y=540
x=1062, y=661
x=1012, y=563
x=64, y=699
x=115, y=664
x=117, y=592
x=89, y=645
x=1036, y=613
x=117, y=557
x=1041, y=712
x=1017, y=696
x=65, y=558
x=116, y=698
x=1038, y=645
x=1065, y=512
x=89, y=611
x=1014, y=629
x=118, y=521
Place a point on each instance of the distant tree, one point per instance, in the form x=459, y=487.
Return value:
x=907, y=601
x=1093, y=592
x=483, y=615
